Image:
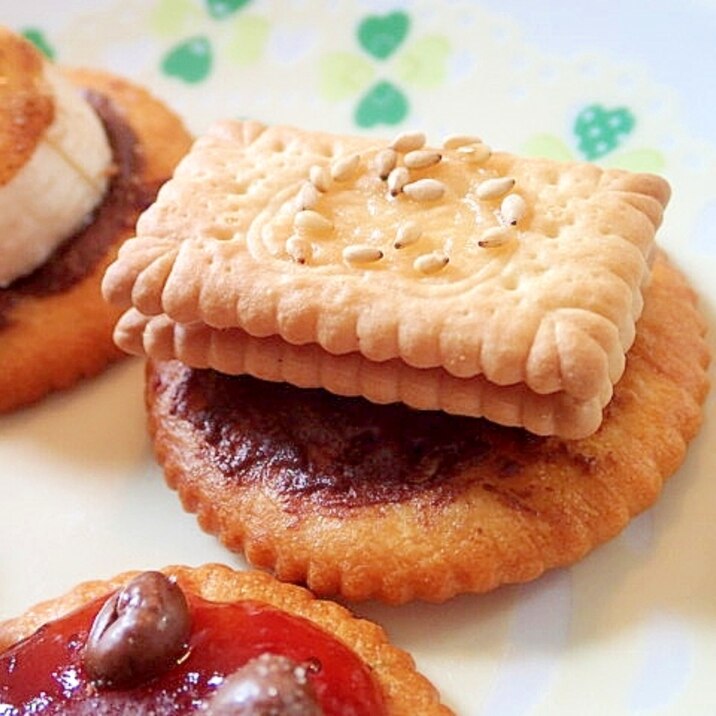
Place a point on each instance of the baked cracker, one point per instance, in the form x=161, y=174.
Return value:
x=384, y=502
x=235, y=352
x=51, y=341
x=406, y=691
x=553, y=309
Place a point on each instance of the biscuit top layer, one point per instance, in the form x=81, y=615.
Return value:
x=281, y=231
x=26, y=101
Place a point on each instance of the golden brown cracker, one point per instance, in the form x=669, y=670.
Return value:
x=51, y=339
x=235, y=352
x=553, y=307
x=406, y=692
x=383, y=502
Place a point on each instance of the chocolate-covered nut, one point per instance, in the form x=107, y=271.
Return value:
x=269, y=685
x=140, y=632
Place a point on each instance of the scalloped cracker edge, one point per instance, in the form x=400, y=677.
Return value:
x=406, y=691
x=555, y=309
x=235, y=352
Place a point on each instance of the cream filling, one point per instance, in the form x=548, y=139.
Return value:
x=62, y=182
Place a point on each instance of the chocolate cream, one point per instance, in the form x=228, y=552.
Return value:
x=309, y=447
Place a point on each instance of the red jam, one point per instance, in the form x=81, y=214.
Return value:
x=44, y=674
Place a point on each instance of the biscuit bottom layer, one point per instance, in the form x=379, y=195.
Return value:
x=377, y=501
x=55, y=329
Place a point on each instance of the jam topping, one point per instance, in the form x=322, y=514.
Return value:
x=269, y=685
x=140, y=632
x=78, y=255
x=47, y=672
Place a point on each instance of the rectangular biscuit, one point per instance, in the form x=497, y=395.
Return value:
x=235, y=352
x=519, y=271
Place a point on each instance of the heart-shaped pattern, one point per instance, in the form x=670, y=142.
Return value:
x=189, y=61
x=37, y=38
x=248, y=39
x=381, y=35
x=220, y=9
x=639, y=160
x=549, y=146
x=384, y=103
x=169, y=18
x=344, y=74
x=424, y=64
x=600, y=130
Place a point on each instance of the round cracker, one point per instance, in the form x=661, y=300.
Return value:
x=406, y=692
x=52, y=341
x=518, y=505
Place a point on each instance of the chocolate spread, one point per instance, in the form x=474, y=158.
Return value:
x=308, y=446
x=127, y=195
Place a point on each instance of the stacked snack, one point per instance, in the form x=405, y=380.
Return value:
x=206, y=640
x=465, y=283
x=84, y=153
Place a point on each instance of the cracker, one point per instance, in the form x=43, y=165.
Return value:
x=405, y=690
x=49, y=341
x=554, y=307
x=383, y=502
x=235, y=352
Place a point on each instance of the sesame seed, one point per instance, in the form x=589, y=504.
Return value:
x=307, y=196
x=495, y=237
x=299, y=249
x=343, y=169
x=512, y=208
x=495, y=188
x=421, y=158
x=408, y=142
x=320, y=178
x=309, y=220
x=425, y=190
x=397, y=179
x=385, y=161
x=408, y=233
x=431, y=263
x=362, y=254
x=474, y=153
x=454, y=141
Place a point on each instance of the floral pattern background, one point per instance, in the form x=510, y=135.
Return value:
x=375, y=66
x=632, y=629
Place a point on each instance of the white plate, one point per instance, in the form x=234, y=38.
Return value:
x=629, y=630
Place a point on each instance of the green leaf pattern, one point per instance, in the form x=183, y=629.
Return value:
x=190, y=61
x=37, y=38
x=384, y=103
x=375, y=78
x=422, y=64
